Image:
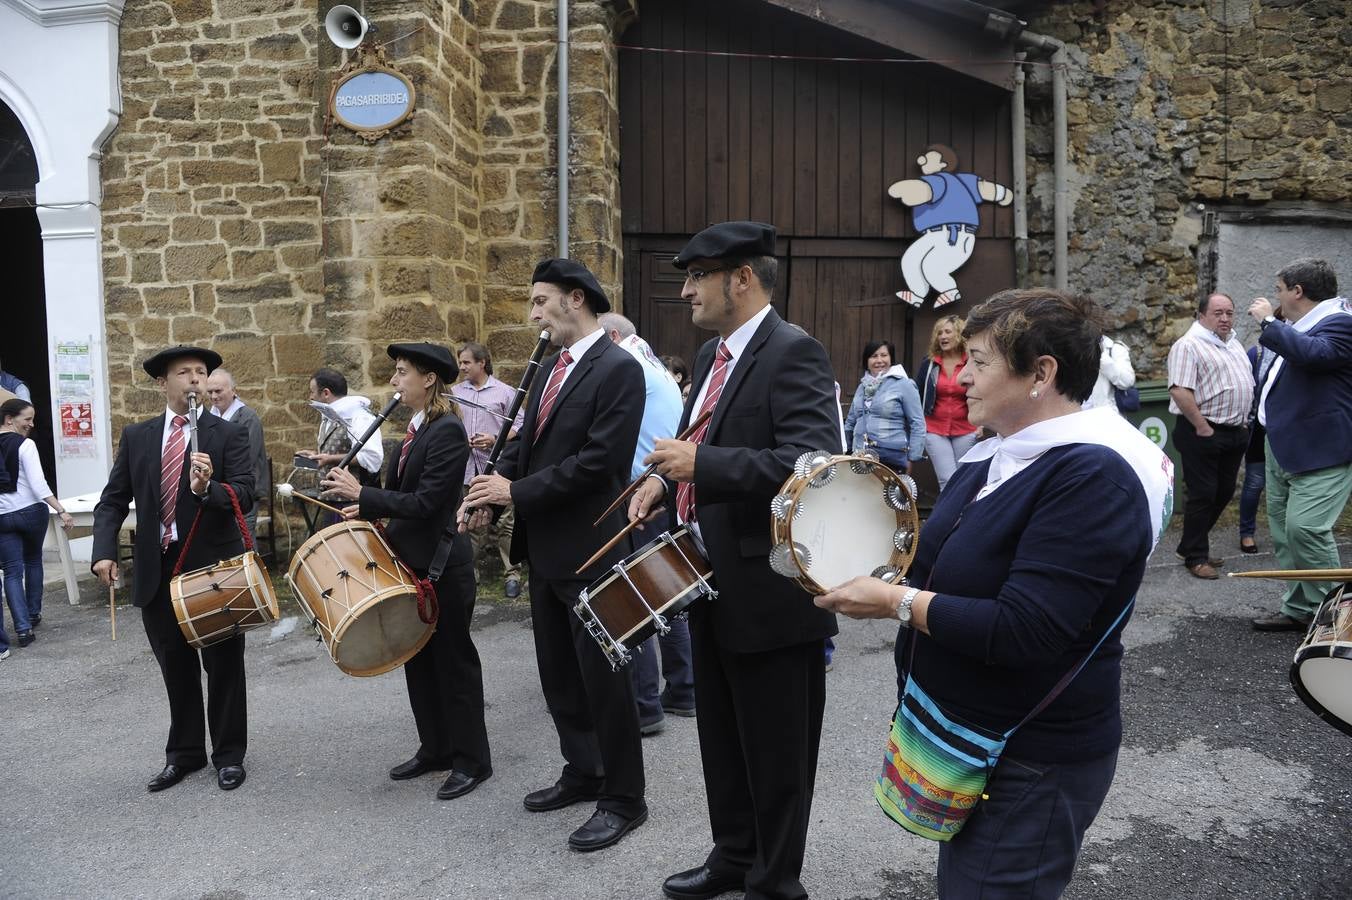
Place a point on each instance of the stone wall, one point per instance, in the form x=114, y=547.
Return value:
x=234, y=217
x=211, y=201
x=1175, y=104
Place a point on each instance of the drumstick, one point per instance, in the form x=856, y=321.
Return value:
x=1298, y=574
x=308, y=499
x=684, y=435
x=615, y=540
x=112, y=608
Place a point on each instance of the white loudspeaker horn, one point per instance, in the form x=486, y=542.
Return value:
x=346, y=27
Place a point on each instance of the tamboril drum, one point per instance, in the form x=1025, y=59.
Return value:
x=360, y=598
x=219, y=601
x=1321, y=672
x=839, y=516
x=643, y=592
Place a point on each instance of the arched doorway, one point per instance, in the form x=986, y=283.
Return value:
x=23, y=323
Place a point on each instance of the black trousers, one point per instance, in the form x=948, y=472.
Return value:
x=446, y=683
x=181, y=667
x=1210, y=469
x=760, y=726
x=592, y=706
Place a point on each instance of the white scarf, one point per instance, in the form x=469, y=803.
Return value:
x=1331, y=307
x=1102, y=426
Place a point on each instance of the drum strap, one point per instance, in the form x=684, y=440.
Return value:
x=428, y=608
x=239, y=520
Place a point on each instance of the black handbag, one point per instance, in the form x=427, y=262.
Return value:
x=1128, y=399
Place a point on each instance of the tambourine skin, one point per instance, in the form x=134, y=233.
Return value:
x=839, y=516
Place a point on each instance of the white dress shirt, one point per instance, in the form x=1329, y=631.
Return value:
x=164, y=442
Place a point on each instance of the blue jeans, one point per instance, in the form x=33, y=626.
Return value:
x=675, y=668
x=1255, y=479
x=1023, y=840
x=21, y=535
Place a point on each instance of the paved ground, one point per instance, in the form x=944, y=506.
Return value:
x=1227, y=787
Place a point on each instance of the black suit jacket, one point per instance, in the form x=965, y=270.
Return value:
x=136, y=476
x=581, y=462
x=779, y=403
x=422, y=502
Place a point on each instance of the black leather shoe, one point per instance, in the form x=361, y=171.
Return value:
x=699, y=882
x=35, y=619
x=229, y=777
x=171, y=776
x=413, y=768
x=603, y=829
x=556, y=796
x=26, y=638
x=458, y=784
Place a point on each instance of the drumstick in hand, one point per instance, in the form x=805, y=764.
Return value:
x=112, y=608
x=684, y=435
x=616, y=539
x=1298, y=574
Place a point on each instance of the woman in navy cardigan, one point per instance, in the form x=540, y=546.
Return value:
x=1031, y=554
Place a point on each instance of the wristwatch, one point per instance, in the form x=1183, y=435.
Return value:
x=1267, y=320
x=904, y=605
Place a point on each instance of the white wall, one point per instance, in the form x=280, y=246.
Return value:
x=58, y=73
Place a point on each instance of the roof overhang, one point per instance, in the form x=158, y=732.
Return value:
x=68, y=12
x=960, y=35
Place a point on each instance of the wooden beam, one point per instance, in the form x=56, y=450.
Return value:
x=947, y=42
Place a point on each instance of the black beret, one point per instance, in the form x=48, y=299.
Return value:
x=433, y=357
x=736, y=240
x=158, y=364
x=572, y=274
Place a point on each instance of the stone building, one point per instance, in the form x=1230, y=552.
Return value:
x=189, y=185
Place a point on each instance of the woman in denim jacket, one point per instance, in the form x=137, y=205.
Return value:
x=885, y=415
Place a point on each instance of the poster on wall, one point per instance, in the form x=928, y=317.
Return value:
x=75, y=400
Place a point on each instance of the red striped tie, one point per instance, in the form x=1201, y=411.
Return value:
x=403, y=450
x=171, y=468
x=685, y=491
x=552, y=391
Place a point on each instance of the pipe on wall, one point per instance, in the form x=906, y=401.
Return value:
x=1019, y=141
x=562, y=136
x=1056, y=51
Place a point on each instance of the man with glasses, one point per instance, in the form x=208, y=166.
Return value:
x=760, y=675
x=1210, y=390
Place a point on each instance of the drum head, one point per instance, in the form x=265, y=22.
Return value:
x=845, y=526
x=382, y=635
x=1322, y=676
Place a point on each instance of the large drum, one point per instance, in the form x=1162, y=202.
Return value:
x=360, y=598
x=644, y=592
x=837, y=517
x=1322, y=669
x=224, y=599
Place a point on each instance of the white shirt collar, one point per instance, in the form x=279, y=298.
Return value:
x=583, y=344
x=169, y=413
x=1199, y=330
x=229, y=414
x=738, y=340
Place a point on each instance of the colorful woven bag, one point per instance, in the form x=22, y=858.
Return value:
x=936, y=768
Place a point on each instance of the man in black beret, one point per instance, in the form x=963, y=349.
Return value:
x=570, y=460
x=760, y=682
x=171, y=487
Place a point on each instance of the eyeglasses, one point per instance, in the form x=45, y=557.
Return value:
x=695, y=276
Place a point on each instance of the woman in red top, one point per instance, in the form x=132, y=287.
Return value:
x=948, y=434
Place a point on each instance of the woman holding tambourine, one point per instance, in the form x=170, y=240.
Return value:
x=421, y=493
x=1009, y=656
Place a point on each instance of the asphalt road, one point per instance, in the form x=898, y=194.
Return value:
x=1227, y=786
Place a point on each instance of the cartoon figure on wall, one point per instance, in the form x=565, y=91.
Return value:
x=943, y=205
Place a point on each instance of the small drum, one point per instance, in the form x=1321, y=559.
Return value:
x=216, y=603
x=837, y=517
x=1322, y=669
x=652, y=585
x=360, y=598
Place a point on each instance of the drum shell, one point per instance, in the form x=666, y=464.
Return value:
x=206, y=601
x=367, y=618
x=665, y=577
x=1321, y=671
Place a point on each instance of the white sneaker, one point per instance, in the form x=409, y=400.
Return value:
x=4, y=655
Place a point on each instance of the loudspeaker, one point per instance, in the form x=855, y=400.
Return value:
x=346, y=27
